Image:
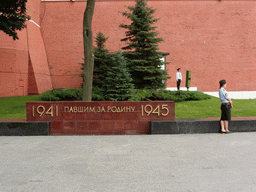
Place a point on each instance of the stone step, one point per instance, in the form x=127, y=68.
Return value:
x=24, y=128
x=194, y=126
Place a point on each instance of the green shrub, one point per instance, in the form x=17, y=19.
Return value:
x=165, y=95
x=71, y=95
x=62, y=95
x=98, y=94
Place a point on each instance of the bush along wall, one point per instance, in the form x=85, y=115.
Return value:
x=135, y=95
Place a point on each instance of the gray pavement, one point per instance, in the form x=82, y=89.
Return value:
x=192, y=162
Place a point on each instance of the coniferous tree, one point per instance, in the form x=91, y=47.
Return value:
x=118, y=84
x=111, y=76
x=142, y=47
x=101, y=60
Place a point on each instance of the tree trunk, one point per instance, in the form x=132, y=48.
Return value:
x=88, y=51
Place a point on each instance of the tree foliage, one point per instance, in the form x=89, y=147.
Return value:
x=101, y=61
x=111, y=76
x=13, y=16
x=142, y=47
x=118, y=84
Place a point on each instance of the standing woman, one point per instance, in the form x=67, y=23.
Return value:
x=226, y=105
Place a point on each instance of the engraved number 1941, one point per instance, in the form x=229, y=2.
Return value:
x=42, y=110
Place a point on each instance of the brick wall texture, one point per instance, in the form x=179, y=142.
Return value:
x=213, y=39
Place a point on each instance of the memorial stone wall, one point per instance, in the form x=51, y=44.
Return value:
x=100, y=117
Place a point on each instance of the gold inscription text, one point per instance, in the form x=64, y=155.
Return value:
x=99, y=109
x=159, y=110
x=42, y=110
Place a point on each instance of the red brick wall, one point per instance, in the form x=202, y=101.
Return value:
x=24, y=66
x=13, y=64
x=38, y=58
x=213, y=39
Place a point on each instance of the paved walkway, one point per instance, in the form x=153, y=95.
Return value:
x=236, y=94
x=156, y=163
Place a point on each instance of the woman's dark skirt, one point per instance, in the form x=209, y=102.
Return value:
x=225, y=112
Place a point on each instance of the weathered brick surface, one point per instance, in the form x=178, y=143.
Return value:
x=23, y=63
x=13, y=64
x=213, y=39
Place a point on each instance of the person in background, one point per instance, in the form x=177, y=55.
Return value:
x=226, y=105
x=178, y=78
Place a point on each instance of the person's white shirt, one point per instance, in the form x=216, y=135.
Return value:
x=178, y=76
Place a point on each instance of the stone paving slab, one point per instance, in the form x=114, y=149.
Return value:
x=193, y=162
x=236, y=94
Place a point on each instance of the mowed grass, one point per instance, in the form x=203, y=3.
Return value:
x=211, y=108
x=15, y=107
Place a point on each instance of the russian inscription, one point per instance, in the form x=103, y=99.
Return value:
x=160, y=110
x=100, y=117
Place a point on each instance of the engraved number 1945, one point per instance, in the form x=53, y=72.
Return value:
x=148, y=109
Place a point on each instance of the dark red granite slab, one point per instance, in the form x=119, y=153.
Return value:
x=125, y=117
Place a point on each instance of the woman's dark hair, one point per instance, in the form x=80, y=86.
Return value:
x=222, y=82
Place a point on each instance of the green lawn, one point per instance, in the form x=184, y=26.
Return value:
x=15, y=108
x=211, y=108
